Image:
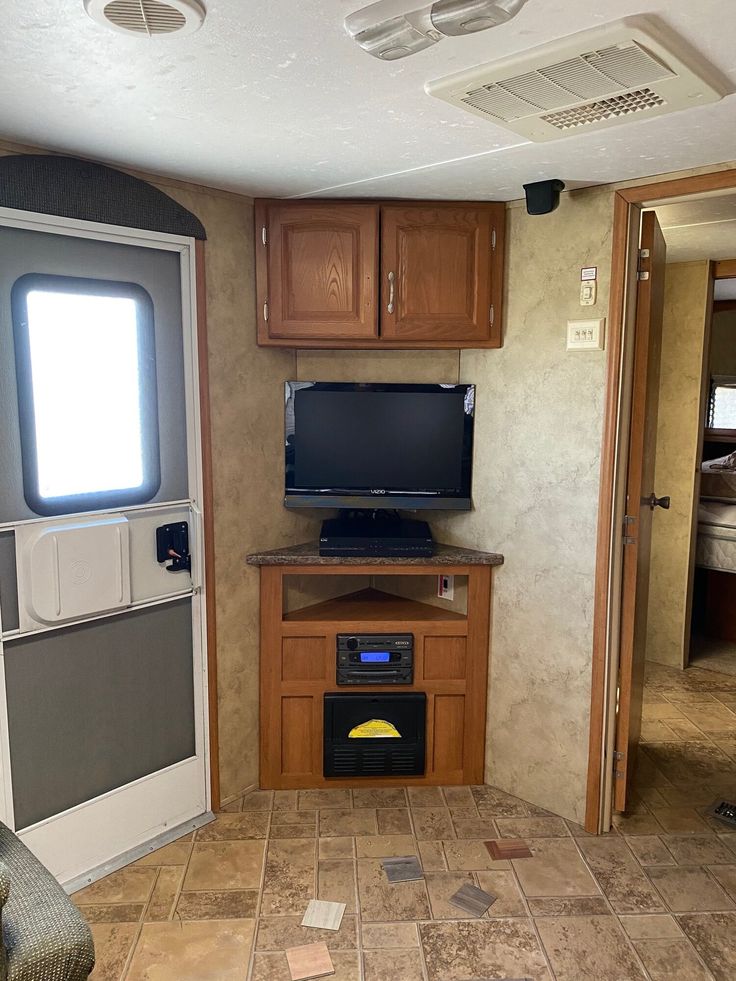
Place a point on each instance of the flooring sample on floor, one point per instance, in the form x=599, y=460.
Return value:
x=310, y=961
x=508, y=848
x=472, y=899
x=323, y=915
x=404, y=869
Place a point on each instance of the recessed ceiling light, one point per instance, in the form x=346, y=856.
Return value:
x=148, y=18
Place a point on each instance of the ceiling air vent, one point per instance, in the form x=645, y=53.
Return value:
x=148, y=18
x=609, y=75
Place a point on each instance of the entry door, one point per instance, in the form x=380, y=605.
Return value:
x=639, y=501
x=102, y=687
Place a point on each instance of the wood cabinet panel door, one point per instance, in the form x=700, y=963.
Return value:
x=438, y=272
x=321, y=267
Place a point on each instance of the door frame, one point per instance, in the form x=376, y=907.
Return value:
x=628, y=205
x=194, y=323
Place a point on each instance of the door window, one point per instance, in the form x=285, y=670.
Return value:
x=86, y=371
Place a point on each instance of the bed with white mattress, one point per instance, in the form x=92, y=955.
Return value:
x=716, y=547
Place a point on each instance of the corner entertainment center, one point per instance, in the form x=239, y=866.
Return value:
x=336, y=704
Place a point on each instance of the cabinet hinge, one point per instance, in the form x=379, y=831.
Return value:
x=491, y=315
x=493, y=240
x=264, y=235
x=265, y=309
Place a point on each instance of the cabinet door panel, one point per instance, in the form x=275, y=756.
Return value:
x=449, y=735
x=441, y=260
x=321, y=268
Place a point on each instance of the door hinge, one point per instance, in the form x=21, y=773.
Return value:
x=265, y=309
x=493, y=240
x=491, y=315
x=617, y=758
x=642, y=274
x=629, y=520
x=264, y=235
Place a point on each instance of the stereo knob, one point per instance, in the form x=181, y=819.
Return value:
x=352, y=643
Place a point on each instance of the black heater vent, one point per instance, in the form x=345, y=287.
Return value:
x=348, y=753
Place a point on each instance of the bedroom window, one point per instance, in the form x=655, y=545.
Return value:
x=722, y=405
x=86, y=369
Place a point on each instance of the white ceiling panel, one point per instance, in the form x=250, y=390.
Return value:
x=273, y=97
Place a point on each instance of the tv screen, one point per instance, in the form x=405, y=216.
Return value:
x=354, y=445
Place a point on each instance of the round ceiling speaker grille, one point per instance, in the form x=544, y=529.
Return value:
x=147, y=18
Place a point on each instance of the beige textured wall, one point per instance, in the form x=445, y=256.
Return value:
x=538, y=433
x=246, y=396
x=539, y=423
x=723, y=343
x=678, y=430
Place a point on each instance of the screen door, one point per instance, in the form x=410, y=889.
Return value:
x=103, y=681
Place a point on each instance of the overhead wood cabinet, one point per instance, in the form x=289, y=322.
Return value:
x=411, y=274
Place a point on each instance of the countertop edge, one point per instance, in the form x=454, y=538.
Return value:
x=307, y=554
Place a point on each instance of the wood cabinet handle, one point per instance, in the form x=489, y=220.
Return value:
x=391, y=291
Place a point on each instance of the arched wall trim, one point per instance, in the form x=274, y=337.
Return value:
x=71, y=188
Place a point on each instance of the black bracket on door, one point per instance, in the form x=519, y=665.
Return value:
x=172, y=543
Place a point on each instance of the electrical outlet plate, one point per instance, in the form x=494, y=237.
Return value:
x=586, y=335
x=446, y=587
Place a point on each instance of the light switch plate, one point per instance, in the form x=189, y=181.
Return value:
x=588, y=293
x=586, y=335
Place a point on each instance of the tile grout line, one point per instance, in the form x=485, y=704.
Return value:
x=139, y=930
x=609, y=904
x=259, y=898
x=422, y=956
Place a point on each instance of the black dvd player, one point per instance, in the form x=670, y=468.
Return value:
x=396, y=537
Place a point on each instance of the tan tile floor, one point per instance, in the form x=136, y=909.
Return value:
x=656, y=898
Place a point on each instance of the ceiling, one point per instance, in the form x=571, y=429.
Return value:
x=271, y=97
x=699, y=228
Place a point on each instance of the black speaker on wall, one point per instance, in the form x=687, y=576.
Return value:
x=542, y=197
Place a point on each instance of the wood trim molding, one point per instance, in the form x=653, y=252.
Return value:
x=209, y=522
x=724, y=269
x=723, y=306
x=626, y=201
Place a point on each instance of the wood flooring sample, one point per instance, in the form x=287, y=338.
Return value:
x=508, y=848
x=309, y=961
x=323, y=915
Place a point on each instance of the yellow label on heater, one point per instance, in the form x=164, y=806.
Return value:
x=375, y=729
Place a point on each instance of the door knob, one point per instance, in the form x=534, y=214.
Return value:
x=657, y=502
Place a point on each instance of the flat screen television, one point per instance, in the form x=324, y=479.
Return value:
x=354, y=445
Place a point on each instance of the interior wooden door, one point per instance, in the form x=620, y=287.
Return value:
x=437, y=271
x=639, y=509
x=321, y=267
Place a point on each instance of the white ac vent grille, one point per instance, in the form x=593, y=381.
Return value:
x=596, y=112
x=624, y=73
x=148, y=18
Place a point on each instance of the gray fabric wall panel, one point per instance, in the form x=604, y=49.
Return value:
x=95, y=706
x=157, y=271
x=76, y=188
x=8, y=581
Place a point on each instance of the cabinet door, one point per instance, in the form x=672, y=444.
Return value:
x=441, y=267
x=320, y=268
